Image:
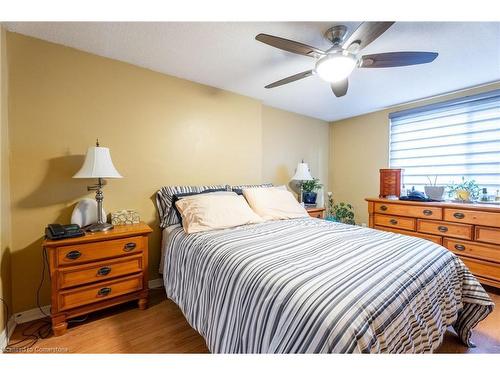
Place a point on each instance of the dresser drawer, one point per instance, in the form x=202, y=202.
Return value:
x=445, y=228
x=93, y=272
x=473, y=249
x=485, y=234
x=483, y=269
x=472, y=217
x=395, y=221
x=98, y=292
x=408, y=210
x=429, y=237
x=95, y=251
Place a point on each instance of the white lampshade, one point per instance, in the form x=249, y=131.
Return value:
x=302, y=173
x=98, y=164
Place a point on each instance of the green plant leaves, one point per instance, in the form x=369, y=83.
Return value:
x=311, y=186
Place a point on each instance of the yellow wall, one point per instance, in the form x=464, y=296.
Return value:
x=287, y=139
x=5, y=279
x=161, y=131
x=360, y=147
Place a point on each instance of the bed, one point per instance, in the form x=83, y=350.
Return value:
x=313, y=286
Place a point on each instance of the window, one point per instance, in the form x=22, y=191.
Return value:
x=448, y=140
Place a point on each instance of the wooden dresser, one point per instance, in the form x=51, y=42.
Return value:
x=96, y=271
x=317, y=212
x=472, y=231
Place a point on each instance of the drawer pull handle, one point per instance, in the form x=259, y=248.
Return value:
x=383, y=208
x=104, y=291
x=459, y=215
x=129, y=246
x=75, y=254
x=393, y=221
x=103, y=271
x=460, y=247
x=443, y=229
x=427, y=212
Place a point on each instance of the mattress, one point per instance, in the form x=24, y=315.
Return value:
x=314, y=286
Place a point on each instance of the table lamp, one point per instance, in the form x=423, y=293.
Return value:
x=98, y=164
x=302, y=174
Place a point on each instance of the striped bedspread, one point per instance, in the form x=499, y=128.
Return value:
x=313, y=286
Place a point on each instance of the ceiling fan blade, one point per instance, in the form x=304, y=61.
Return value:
x=366, y=33
x=293, y=78
x=340, y=88
x=392, y=59
x=289, y=45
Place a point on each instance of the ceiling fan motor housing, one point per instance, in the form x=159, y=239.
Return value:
x=336, y=34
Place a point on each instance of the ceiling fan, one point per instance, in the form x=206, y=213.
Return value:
x=337, y=63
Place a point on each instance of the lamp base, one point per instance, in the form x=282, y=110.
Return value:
x=98, y=227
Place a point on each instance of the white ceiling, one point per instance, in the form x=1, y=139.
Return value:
x=226, y=55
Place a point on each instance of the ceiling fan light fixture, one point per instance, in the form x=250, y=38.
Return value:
x=336, y=67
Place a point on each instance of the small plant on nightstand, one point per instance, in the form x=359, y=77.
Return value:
x=309, y=189
x=341, y=212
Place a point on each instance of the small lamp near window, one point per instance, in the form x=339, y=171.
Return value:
x=302, y=174
x=98, y=164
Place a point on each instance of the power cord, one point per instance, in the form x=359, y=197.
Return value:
x=43, y=330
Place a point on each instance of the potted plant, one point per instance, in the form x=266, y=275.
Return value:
x=309, y=189
x=433, y=191
x=465, y=191
x=340, y=212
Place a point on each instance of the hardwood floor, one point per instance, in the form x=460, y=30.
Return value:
x=163, y=329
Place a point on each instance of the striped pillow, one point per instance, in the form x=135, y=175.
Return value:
x=238, y=189
x=164, y=198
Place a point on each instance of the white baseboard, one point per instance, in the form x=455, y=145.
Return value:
x=11, y=326
x=34, y=314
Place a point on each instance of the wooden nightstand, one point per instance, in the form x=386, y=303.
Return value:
x=317, y=212
x=96, y=271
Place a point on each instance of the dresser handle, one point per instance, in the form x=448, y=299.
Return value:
x=459, y=215
x=129, y=246
x=104, y=291
x=393, y=221
x=427, y=212
x=383, y=208
x=103, y=271
x=75, y=254
x=460, y=247
x=443, y=229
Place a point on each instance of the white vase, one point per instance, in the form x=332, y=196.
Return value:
x=434, y=192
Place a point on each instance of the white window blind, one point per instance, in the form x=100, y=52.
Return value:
x=449, y=140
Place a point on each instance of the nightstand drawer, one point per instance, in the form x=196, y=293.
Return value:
x=318, y=214
x=95, y=251
x=407, y=210
x=395, y=221
x=98, y=292
x=445, y=228
x=88, y=273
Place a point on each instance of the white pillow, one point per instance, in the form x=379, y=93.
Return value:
x=274, y=203
x=211, y=211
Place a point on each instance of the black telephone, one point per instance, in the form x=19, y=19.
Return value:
x=415, y=195
x=58, y=231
